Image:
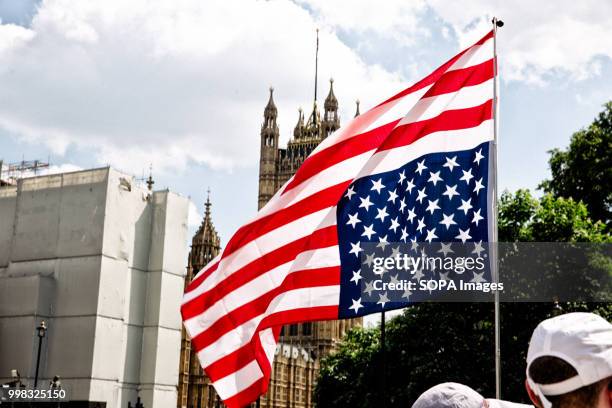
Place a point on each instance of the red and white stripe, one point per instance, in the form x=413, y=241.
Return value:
x=284, y=266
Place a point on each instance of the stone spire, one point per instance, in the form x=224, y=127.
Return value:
x=206, y=242
x=331, y=103
x=331, y=121
x=207, y=206
x=299, y=127
x=268, y=152
x=270, y=112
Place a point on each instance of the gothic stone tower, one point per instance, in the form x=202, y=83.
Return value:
x=269, y=153
x=276, y=166
x=194, y=389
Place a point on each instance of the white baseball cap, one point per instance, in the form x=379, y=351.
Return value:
x=583, y=340
x=455, y=395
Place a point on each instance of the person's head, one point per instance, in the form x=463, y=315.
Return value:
x=455, y=395
x=569, y=362
x=449, y=395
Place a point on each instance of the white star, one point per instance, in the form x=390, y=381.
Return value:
x=421, y=224
x=377, y=185
x=418, y=274
x=356, y=305
x=451, y=163
x=353, y=220
x=383, y=299
x=465, y=206
x=431, y=234
x=444, y=276
x=448, y=220
x=355, y=249
x=451, y=191
x=392, y=196
x=410, y=186
x=414, y=246
x=477, y=217
x=411, y=214
x=394, y=224
x=365, y=203
x=356, y=277
x=478, y=186
x=406, y=294
x=404, y=234
x=369, y=288
x=478, y=278
x=478, y=157
x=369, y=259
x=395, y=252
x=382, y=214
x=432, y=206
x=350, y=192
x=420, y=167
x=368, y=231
x=467, y=176
x=402, y=205
x=394, y=279
x=382, y=242
x=434, y=177
x=478, y=248
x=445, y=248
x=422, y=195
x=402, y=177
x=463, y=235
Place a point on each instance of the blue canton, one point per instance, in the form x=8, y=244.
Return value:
x=438, y=198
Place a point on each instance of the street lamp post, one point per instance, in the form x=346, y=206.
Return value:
x=41, y=330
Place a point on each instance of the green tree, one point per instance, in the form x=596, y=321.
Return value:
x=583, y=171
x=524, y=218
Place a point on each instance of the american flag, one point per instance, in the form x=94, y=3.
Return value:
x=413, y=168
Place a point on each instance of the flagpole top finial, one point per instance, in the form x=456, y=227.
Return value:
x=497, y=22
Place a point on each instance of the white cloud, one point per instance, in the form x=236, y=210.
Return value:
x=171, y=83
x=61, y=168
x=168, y=83
x=194, y=218
x=397, y=19
x=541, y=39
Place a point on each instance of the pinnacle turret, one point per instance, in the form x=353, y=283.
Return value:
x=205, y=244
x=331, y=121
x=331, y=103
x=299, y=127
x=270, y=112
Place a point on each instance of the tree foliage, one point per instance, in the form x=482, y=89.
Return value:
x=583, y=171
x=524, y=218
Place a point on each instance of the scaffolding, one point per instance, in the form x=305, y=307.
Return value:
x=11, y=172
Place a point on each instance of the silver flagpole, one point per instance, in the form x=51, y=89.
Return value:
x=496, y=23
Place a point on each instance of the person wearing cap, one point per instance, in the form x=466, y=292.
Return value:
x=455, y=395
x=569, y=362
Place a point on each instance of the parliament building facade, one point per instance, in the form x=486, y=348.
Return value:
x=300, y=346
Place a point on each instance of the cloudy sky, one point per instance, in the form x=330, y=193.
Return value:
x=182, y=84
